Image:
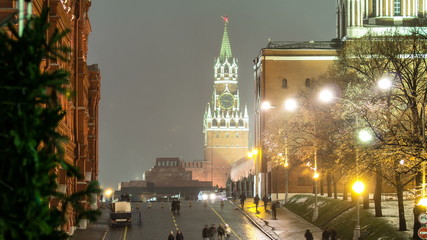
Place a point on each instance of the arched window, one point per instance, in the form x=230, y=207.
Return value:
x=214, y=123
x=240, y=123
x=222, y=123
x=308, y=82
x=284, y=83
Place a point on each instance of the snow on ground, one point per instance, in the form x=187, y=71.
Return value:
x=390, y=213
x=389, y=210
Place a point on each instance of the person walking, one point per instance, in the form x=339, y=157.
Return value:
x=273, y=210
x=178, y=206
x=326, y=234
x=227, y=231
x=212, y=232
x=171, y=237
x=242, y=199
x=173, y=207
x=205, y=233
x=265, y=200
x=333, y=234
x=256, y=201
x=179, y=235
x=221, y=232
x=308, y=235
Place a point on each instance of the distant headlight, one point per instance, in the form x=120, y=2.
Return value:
x=205, y=196
x=212, y=196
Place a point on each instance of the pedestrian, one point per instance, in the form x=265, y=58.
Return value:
x=333, y=234
x=171, y=237
x=212, y=232
x=227, y=232
x=256, y=201
x=265, y=199
x=221, y=232
x=205, y=233
x=178, y=206
x=326, y=234
x=242, y=199
x=179, y=235
x=173, y=206
x=308, y=235
x=273, y=210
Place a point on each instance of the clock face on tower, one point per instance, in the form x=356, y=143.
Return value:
x=226, y=101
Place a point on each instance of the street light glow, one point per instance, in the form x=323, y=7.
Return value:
x=326, y=95
x=291, y=104
x=316, y=175
x=358, y=187
x=365, y=136
x=108, y=192
x=423, y=202
x=255, y=151
x=266, y=105
x=385, y=83
x=250, y=154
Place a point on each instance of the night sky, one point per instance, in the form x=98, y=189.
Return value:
x=156, y=59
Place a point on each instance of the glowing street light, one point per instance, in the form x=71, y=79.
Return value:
x=290, y=104
x=385, y=83
x=365, y=135
x=358, y=187
x=108, y=192
x=326, y=95
x=266, y=105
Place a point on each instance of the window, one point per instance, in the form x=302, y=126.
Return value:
x=397, y=8
x=308, y=82
x=284, y=83
x=374, y=7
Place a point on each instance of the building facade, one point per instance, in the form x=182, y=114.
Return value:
x=356, y=18
x=225, y=126
x=282, y=70
x=80, y=125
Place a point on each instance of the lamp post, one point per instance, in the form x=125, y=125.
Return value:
x=286, y=171
x=358, y=187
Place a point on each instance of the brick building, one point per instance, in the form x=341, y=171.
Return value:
x=80, y=125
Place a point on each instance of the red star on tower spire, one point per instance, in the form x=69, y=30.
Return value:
x=225, y=19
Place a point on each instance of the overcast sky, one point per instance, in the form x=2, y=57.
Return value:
x=156, y=59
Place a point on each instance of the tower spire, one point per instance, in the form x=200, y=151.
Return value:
x=225, y=45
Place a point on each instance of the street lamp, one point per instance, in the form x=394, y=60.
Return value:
x=358, y=187
x=108, y=192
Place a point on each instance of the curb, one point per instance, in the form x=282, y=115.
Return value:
x=260, y=224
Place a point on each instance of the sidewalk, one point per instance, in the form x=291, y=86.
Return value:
x=96, y=230
x=286, y=226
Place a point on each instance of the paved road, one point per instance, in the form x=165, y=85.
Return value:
x=157, y=222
